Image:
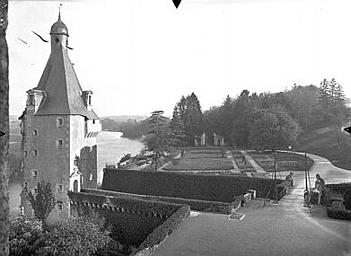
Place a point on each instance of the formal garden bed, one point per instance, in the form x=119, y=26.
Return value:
x=285, y=161
x=201, y=159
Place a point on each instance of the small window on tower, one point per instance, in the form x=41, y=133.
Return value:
x=35, y=152
x=59, y=144
x=35, y=173
x=35, y=132
x=57, y=40
x=35, y=190
x=59, y=188
x=93, y=121
x=59, y=122
x=89, y=100
x=25, y=153
x=31, y=100
x=59, y=205
x=25, y=184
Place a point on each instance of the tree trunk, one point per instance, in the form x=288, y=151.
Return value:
x=4, y=127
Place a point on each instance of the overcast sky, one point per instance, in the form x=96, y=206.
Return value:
x=138, y=56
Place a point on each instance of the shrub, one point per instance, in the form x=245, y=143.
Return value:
x=25, y=236
x=339, y=214
x=69, y=237
x=166, y=228
x=43, y=201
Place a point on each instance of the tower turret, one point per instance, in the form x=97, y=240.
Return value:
x=59, y=35
x=59, y=129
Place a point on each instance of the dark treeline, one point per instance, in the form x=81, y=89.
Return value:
x=251, y=120
x=275, y=120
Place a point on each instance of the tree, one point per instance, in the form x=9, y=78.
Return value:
x=243, y=107
x=4, y=127
x=273, y=129
x=159, y=138
x=177, y=127
x=188, y=116
x=43, y=201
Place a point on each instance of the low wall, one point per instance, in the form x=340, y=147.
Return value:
x=197, y=205
x=162, y=231
x=131, y=220
x=220, y=188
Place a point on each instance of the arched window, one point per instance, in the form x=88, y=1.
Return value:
x=75, y=186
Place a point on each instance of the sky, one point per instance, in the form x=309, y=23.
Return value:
x=138, y=56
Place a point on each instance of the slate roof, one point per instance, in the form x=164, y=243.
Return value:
x=63, y=93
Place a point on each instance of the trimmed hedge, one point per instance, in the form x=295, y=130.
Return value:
x=197, y=205
x=166, y=228
x=344, y=189
x=338, y=214
x=131, y=220
x=221, y=188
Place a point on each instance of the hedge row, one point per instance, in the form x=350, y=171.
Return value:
x=132, y=205
x=339, y=214
x=166, y=228
x=221, y=188
x=343, y=189
x=130, y=220
x=197, y=205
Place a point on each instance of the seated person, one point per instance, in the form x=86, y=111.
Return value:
x=319, y=187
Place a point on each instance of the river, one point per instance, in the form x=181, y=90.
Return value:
x=111, y=147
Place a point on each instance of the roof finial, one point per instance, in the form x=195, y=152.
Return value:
x=59, y=16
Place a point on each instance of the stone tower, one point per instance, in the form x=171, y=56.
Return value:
x=59, y=129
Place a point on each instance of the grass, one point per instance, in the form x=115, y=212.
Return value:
x=202, y=164
x=202, y=159
x=285, y=161
x=324, y=142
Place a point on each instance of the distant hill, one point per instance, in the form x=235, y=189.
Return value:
x=124, y=118
x=328, y=142
x=133, y=127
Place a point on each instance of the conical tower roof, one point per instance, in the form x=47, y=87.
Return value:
x=63, y=93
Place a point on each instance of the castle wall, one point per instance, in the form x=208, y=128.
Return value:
x=50, y=163
x=83, y=144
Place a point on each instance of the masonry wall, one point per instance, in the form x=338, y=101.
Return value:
x=51, y=162
x=84, y=147
x=131, y=220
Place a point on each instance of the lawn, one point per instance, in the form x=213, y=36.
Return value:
x=201, y=159
x=285, y=161
x=324, y=142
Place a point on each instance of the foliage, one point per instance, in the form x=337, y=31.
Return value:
x=220, y=188
x=166, y=228
x=187, y=120
x=132, y=127
x=332, y=102
x=43, y=201
x=125, y=157
x=273, y=129
x=309, y=107
x=159, y=138
x=130, y=218
x=338, y=214
x=26, y=236
x=69, y=237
